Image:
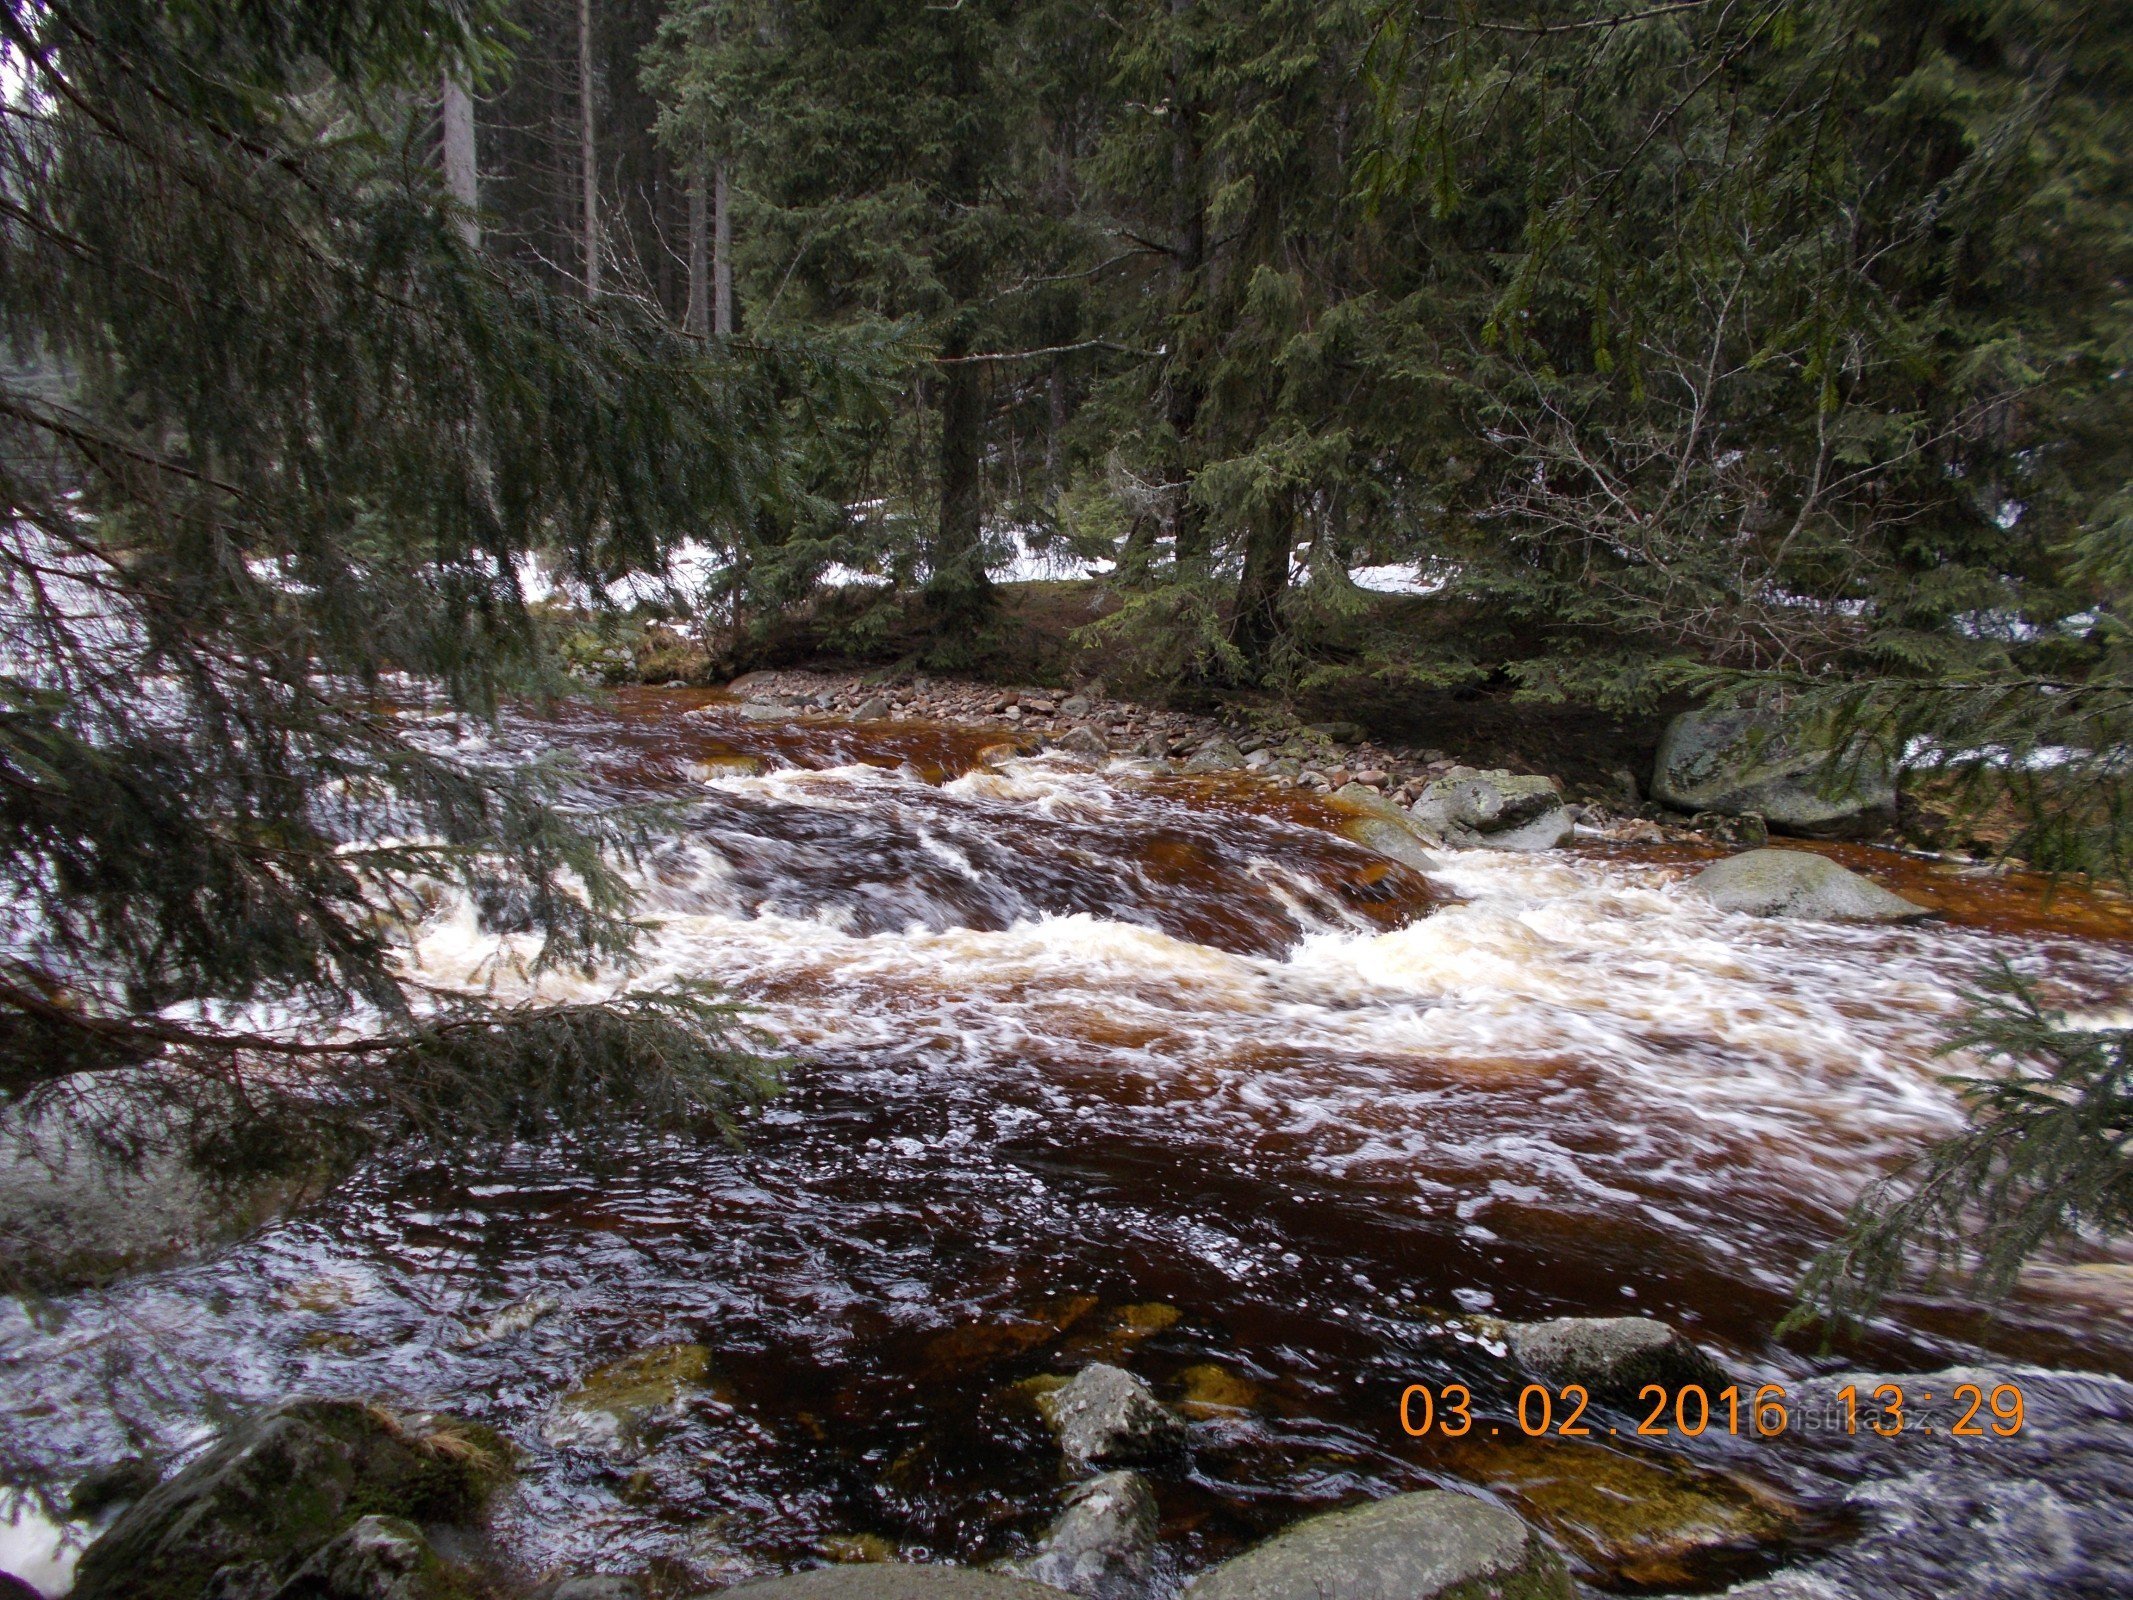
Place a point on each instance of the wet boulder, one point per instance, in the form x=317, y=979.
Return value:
x=1434, y=1545
x=891, y=1580
x=1103, y=1545
x=374, y=1558
x=1375, y=823
x=1497, y=810
x=1798, y=883
x=1612, y=1357
x=1741, y=761
x=246, y=1517
x=1106, y=1414
x=1218, y=754
x=1085, y=742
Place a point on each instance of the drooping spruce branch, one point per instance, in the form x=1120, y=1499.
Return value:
x=275, y=447
x=2047, y=1157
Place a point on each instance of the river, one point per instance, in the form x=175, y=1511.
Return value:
x=1127, y=1065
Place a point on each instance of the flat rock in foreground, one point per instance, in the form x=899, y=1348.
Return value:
x=1429, y=1546
x=893, y=1580
x=1797, y=883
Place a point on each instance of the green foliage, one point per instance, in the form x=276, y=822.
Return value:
x=276, y=436
x=2047, y=1157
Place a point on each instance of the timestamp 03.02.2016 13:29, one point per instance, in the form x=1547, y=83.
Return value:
x=1765, y=1412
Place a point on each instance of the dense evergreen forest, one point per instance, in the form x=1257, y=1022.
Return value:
x=1671, y=352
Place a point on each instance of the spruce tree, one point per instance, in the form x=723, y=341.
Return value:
x=278, y=443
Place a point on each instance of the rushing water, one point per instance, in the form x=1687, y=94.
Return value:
x=1127, y=1065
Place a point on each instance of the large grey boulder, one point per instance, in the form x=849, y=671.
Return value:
x=1612, y=1357
x=1105, y=1413
x=1429, y=1546
x=891, y=1580
x=1798, y=883
x=246, y=1516
x=1495, y=810
x=1741, y=761
x=1103, y=1545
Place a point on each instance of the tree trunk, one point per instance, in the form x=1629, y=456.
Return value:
x=462, y=178
x=697, y=319
x=1188, y=265
x=1258, y=621
x=958, y=585
x=721, y=252
x=1055, y=420
x=958, y=589
x=588, y=150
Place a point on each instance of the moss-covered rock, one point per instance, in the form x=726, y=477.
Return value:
x=1741, y=761
x=374, y=1558
x=277, y=1488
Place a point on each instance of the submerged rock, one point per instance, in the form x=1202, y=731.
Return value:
x=1612, y=1357
x=894, y=1580
x=1428, y=1546
x=1104, y=1413
x=1630, y=1517
x=508, y=1321
x=1497, y=810
x=1798, y=883
x=1103, y=1545
x=1738, y=761
x=1210, y=1391
x=592, y=1586
x=246, y=1516
x=615, y=1405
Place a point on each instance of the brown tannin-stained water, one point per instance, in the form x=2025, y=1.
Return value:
x=1103, y=1064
